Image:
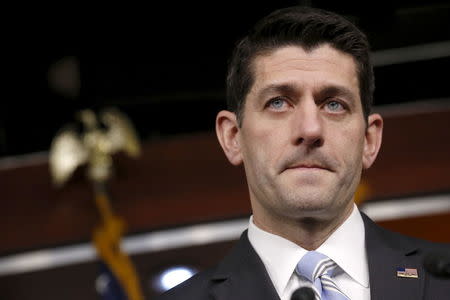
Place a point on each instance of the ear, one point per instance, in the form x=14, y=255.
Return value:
x=372, y=143
x=227, y=131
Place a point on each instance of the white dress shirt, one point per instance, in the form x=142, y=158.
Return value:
x=346, y=246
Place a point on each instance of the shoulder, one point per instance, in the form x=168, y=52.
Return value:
x=387, y=250
x=398, y=240
x=203, y=283
x=432, y=256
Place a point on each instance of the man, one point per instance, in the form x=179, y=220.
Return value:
x=299, y=90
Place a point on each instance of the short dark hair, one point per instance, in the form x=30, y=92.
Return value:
x=299, y=26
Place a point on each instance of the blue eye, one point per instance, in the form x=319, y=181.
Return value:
x=276, y=103
x=334, y=106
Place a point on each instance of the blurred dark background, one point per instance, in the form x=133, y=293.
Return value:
x=164, y=65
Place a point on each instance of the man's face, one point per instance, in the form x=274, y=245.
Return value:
x=303, y=138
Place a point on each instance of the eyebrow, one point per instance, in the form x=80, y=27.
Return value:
x=338, y=90
x=285, y=88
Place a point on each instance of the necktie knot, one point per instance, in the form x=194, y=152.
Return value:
x=317, y=268
x=315, y=264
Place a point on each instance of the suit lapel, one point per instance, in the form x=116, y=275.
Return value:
x=242, y=275
x=386, y=252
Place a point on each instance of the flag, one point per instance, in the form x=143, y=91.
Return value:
x=118, y=279
x=407, y=272
x=108, y=286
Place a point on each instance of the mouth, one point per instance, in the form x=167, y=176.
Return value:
x=308, y=167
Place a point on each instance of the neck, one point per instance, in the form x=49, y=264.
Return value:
x=307, y=232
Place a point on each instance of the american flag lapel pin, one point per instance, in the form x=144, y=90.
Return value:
x=407, y=273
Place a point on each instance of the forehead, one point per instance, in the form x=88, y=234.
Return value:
x=323, y=65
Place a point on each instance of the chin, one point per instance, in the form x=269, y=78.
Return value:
x=309, y=203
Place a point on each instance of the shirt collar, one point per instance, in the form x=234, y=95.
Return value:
x=346, y=246
x=279, y=255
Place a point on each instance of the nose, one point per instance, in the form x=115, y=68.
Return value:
x=308, y=125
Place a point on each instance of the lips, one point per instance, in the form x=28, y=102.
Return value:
x=308, y=166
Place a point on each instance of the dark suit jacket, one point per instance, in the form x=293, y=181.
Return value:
x=242, y=274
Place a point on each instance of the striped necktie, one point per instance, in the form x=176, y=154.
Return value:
x=317, y=268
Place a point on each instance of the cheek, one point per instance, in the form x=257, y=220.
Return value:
x=350, y=143
x=263, y=145
x=355, y=147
